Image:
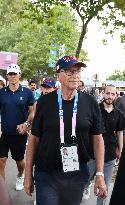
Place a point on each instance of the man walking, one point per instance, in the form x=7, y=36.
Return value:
x=114, y=124
x=16, y=104
x=59, y=141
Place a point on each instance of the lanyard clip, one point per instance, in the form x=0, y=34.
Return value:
x=73, y=137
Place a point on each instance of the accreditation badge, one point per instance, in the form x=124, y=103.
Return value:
x=70, y=160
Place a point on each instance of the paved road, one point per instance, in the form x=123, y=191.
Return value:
x=20, y=198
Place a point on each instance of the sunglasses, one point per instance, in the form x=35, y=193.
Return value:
x=11, y=73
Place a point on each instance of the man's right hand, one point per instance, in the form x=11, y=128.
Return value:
x=28, y=185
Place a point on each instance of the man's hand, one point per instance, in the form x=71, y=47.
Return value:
x=29, y=185
x=22, y=129
x=100, y=187
x=118, y=153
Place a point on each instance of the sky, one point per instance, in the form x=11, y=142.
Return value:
x=103, y=59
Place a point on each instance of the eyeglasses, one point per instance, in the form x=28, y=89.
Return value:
x=11, y=73
x=71, y=72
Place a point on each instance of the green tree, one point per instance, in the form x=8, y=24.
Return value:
x=9, y=10
x=117, y=75
x=108, y=11
x=21, y=32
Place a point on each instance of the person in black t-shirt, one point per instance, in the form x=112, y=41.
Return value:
x=114, y=123
x=64, y=119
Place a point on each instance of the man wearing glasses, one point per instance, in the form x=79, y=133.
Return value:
x=64, y=120
x=16, y=105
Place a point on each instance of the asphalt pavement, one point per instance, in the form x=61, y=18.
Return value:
x=18, y=197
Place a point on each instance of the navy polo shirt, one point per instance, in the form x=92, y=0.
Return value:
x=14, y=108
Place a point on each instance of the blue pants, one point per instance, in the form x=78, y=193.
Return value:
x=59, y=188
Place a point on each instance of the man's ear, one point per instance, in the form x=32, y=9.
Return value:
x=58, y=77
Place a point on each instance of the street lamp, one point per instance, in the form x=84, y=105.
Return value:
x=95, y=79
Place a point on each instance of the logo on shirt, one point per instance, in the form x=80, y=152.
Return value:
x=21, y=98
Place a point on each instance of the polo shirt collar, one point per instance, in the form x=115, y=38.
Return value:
x=19, y=89
x=103, y=108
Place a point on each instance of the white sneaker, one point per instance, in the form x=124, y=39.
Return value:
x=86, y=193
x=19, y=183
x=35, y=202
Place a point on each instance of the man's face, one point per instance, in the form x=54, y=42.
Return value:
x=70, y=78
x=33, y=86
x=109, y=95
x=46, y=90
x=13, y=78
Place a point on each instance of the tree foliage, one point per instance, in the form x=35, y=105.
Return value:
x=108, y=11
x=117, y=75
x=31, y=29
x=32, y=33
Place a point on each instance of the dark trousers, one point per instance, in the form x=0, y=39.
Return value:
x=59, y=188
x=118, y=194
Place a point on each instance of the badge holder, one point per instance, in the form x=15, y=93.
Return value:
x=70, y=160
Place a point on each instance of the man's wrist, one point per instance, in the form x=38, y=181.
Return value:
x=99, y=174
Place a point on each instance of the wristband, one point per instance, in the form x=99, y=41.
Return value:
x=99, y=174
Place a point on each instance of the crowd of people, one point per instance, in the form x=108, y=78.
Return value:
x=72, y=137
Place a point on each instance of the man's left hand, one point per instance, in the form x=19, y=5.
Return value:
x=100, y=188
x=22, y=129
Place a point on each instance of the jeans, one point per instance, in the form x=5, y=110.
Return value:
x=58, y=188
x=108, y=171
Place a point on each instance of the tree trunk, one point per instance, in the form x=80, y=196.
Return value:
x=80, y=41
